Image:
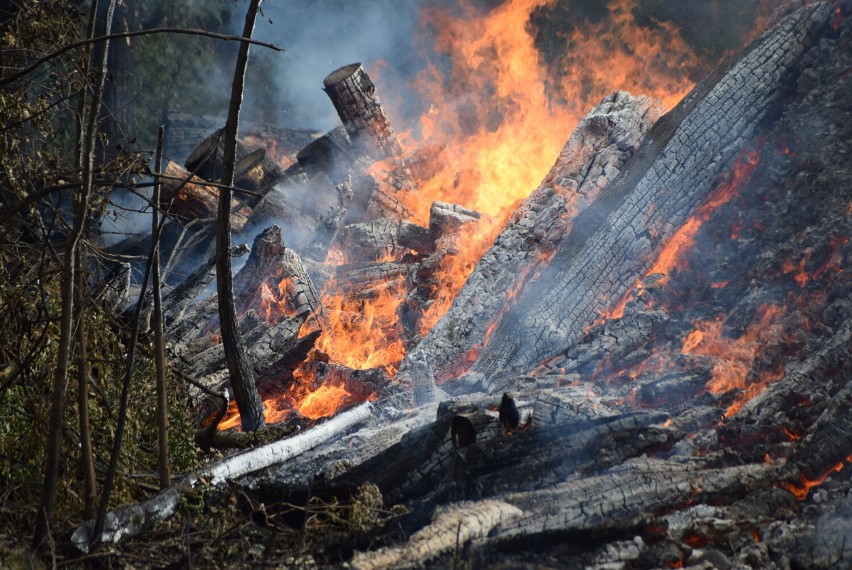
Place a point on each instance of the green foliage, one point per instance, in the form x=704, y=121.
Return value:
x=23, y=426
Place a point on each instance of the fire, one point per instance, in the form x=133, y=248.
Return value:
x=735, y=357
x=275, y=305
x=671, y=256
x=323, y=402
x=496, y=116
x=801, y=493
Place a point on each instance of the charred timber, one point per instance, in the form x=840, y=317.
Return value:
x=253, y=170
x=194, y=200
x=592, y=157
x=357, y=103
x=616, y=239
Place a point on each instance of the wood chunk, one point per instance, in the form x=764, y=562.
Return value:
x=446, y=219
x=386, y=237
x=354, y=97
x=275, y=280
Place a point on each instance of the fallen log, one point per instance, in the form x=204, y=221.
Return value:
x=134, y=519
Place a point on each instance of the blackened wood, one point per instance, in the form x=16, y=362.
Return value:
x=193, y=199
x=176, y=302
x=357, y=103
x=594, y=155
x=615, y=240
x=270, y=264
x=385, y=238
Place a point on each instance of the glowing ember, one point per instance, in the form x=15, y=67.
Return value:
x=672, y=254
x=735, y=357
x=801, y=493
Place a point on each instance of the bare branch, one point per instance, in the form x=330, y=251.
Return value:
x=183, y=31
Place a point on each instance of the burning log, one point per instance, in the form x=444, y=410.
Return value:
x=614, y=241
x=363, y=280
x=596, y=151
x=275, y=279
x=356, y=101
x=447, y=219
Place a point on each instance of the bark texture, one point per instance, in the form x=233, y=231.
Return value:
x=354, y=97
x=614, y=241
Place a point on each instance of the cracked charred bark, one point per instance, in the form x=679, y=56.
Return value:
x=614, y=241
x=592, y=157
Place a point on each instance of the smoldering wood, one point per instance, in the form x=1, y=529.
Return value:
x=270, y=264
x=594, y=155
x=614, y=241
x=253, y=170
x=386, y=237
x=357, y=103
x=330, y=153
x=193, y=199
x=385, y=202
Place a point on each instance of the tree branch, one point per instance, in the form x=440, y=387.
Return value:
x=183, y=31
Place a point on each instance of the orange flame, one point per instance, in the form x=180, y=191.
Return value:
x=671, y=256
x=495, y=122
x=323, y=402
x=801, y=493
x=364, y=333
x=735, y=358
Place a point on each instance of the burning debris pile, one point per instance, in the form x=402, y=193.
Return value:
x=651, y=354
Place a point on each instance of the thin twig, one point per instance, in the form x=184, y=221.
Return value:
x=184, y=31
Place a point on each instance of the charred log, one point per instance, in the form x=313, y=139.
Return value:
x=193, y=200
x=356, y=101
x=275, y=277
x=615, y=240
x=592, y=157
x=253, y=170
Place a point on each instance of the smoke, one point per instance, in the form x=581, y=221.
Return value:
x=320, y=36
